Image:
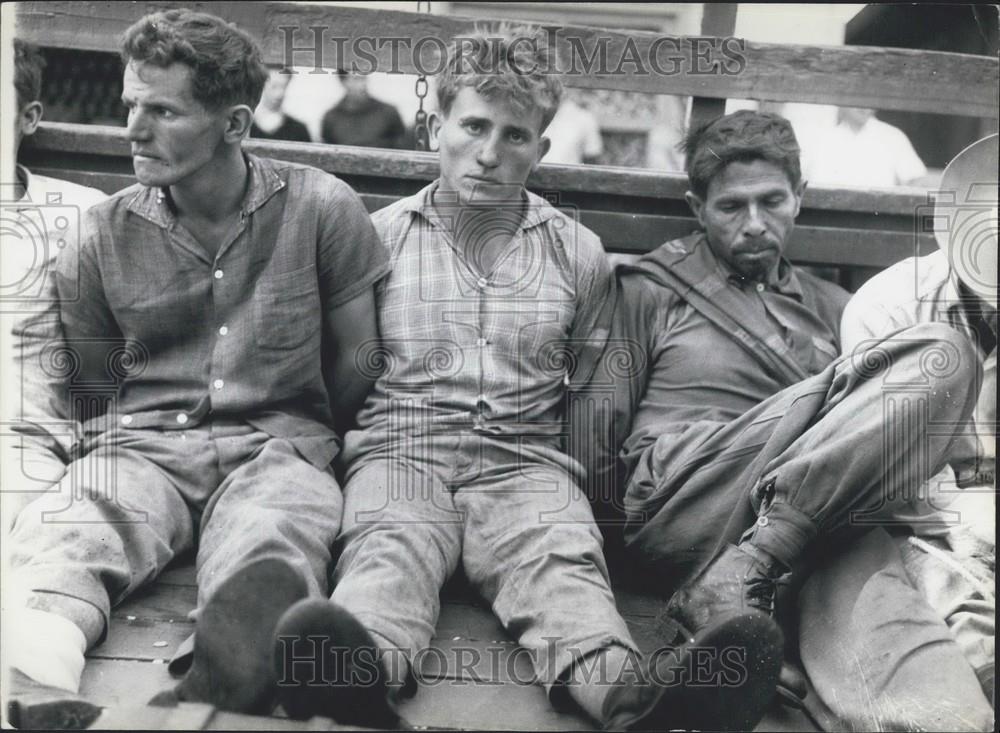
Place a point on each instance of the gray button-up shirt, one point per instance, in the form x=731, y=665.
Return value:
x=235, y=336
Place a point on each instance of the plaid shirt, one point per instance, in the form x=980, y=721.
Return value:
x=237, y=336
x=487, y=351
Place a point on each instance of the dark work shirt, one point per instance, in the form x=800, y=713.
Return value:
x=238, y=335
x=699, y=372
x=290, y=129
x=371, y=123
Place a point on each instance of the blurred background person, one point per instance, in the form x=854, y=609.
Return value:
x=269, y=120
x=861, y=150
x=360, y=119
x=663, y=151
x=574, y=133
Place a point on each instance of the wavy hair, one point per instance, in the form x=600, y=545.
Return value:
x=227, y=64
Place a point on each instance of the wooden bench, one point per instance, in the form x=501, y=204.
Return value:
x=855, y=232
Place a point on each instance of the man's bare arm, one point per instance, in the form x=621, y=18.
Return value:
x=350, y=328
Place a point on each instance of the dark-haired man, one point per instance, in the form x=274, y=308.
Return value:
x=269, y=120
x=360, y=119
x=223, y=298
x=749, y=443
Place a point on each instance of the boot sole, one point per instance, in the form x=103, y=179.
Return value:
x=52, y=714
x=327, y=663
x=234, y=634
x=723, y=680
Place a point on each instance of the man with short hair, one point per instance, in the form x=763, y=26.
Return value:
x=269, y=119
x=223, y=299
x=458, y=457
x=750, y=445
x=360, y=119
x=39, y=213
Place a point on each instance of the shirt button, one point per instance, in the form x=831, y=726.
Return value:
x=126, y=419
x=482, y=282
x=218, y=274
x=760, y=287
x=223, y=330
x=218, y=384
x=182, y=419
x=481, y=341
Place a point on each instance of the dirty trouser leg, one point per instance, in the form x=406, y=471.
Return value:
x=832, y=450
x=533, y=550
x=878, y=657
x=401, y=539
x=29, y=469
x=117, y=520
x=271, y=503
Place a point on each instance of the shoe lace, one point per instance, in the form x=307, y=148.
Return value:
x=760, y=593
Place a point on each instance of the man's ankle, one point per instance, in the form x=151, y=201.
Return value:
x=773, y=566
x=46, y=648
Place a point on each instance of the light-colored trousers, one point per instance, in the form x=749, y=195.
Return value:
x=509, y=510
x=142, y=497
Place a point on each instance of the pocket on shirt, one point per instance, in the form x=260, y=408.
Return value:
x=286, y=309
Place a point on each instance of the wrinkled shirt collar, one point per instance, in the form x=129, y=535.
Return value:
x=783, y=280
x=151, y=203
x=537, y=210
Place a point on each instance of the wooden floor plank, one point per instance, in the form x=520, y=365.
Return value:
x=475, y=677
x=469, y=641
x=122, y=683
x=181, y=573
x=487, y=707
x=159, y=602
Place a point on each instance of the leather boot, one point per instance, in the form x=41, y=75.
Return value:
x=234, y=637
x=327, y=663
x=34, y=706
x=741, y=580
x=723, y=679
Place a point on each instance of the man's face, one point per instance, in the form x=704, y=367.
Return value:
x=355, y=86
x=487, y=146
x=856, y=117
x=173, y=135
x=274, y=90
x=748, y=214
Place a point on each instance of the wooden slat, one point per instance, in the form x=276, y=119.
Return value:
x=84, y=147
x=883, y=78
x=632, y=211
x=488, y=707
x=717, y=20
x=181, y=573
x=496, y=692
x=443, y=704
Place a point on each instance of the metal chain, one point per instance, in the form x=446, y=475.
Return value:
x=420, y=123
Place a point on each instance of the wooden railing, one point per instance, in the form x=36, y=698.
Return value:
x=632, y=210
x=710, y=67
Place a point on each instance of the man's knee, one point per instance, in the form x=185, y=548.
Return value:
x=944, y=352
